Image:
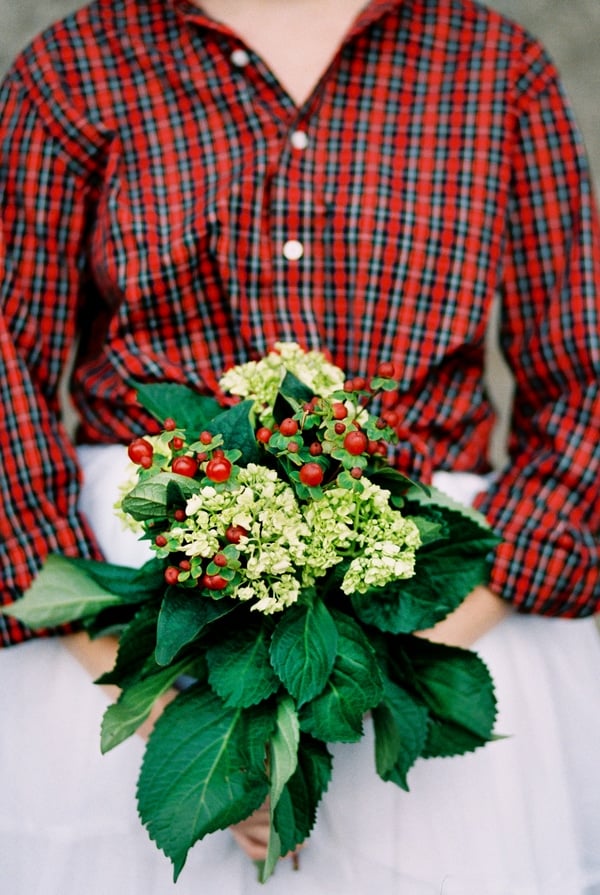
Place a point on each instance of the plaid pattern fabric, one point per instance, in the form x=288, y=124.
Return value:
x=163, y=196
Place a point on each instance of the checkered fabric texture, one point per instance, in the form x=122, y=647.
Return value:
x=164, y=197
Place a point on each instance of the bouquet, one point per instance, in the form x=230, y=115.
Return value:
x=292, y=566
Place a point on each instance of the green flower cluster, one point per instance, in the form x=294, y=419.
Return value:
x=260, y=380
x=363, y=526
x=273, y=545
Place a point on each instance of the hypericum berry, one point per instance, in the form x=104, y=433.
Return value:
x=315, y=449
x=293, y=447
x=214, y=582
x=386, y=369
x=356, y=442
x=205, y=437
x=160, y=541
x=235, y=533
x=171, y=574
x=339, y=428
x=177, y=443
x=140, y=449
x=372, y=447
x=146, y=462
x=263, y=435
x=356, y=472
x=201, y=456
x=339, y=410
x=288, y=427
x=218, y=452
x=185, y=466
x=169, y=424
x=392, y=417
x=218, y=469
x=349, y=385
x=311, y=474
x=220, y=559
x=180, y=515
x=359, y=383
x=380, y=424
x=185, y=565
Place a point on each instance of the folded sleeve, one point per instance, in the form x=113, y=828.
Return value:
x=546, y=504
x=45, y=201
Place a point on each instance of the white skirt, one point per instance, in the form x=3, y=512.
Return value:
x=518, y=817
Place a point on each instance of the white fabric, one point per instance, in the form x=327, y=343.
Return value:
x=519, y=817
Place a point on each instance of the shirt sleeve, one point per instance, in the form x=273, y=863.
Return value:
x=42, y=245
x=547, y=504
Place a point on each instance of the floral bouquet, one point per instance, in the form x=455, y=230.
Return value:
x=292, y=566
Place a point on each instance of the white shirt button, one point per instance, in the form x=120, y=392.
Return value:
x=293, y=250
x=299, y=139
x=240, y=58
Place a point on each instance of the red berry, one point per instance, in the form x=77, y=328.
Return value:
x=218, y=469
x=288, y=427
x=180, y=515
x=356, y=472
x=140, y=449
x=356, y=442
x=349, y=385
x=169, y=424
x=185, y=565
x=218, y=452
x=311, y=474
x=177, y=443
x=359, y=384
x=206, y=437
x=201, y=456
x=214, y=582
x=185, y=465
x=392, y=417
x=146, y=462
x=315, y=449
x=160, y=541
x=220, y=559
x=263, y=435
x=293, y=447
x=340, y=411
x=339, y=428
x=171, y=574
x=372, y=447
x=235, y=533
x=380, y=424
x=386, y=370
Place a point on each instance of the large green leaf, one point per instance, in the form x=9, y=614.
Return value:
x=239, y=669
x=291, y=395
x=189, y=409
x=203, y=770
x=304, y=648
x=151, y=498
x=458, y=690
x=133, y=585
x=353, y=687
x=133, y=706
x=183, y=616
x=296, y=809
x=283, y=761
x=136, y=645
x=61, y=593
x=236, y=425
x=401, y=725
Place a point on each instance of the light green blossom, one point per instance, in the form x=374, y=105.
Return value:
x=260, y=380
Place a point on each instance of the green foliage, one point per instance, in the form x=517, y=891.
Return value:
x=282, y=762
x=183, y=617
x=203, y=770
x=236, y=425
x=238, y=666
x=152, y=497
x=401, y=724
x=304, y=648
x=189, y=409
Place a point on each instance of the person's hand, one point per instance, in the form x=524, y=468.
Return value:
x=479, y=613
x=252, y=835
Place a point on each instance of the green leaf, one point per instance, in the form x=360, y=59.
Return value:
x=291, y=395
x=239, y=669
x=189, y=409
x=136, y=645
x=446, y=571
x=130, y=583
x=394, y=481
x=401, y=725
x=61, y=593
x=353, y=688
x=303, y=649
x=236, y=425
x=183, y=616
x=458, y=690
x=283, y=761
x=203, y=770
x=133, y=706
x=152, y=497
x=296, y=809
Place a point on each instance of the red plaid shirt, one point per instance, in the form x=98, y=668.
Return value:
x=163, y=196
